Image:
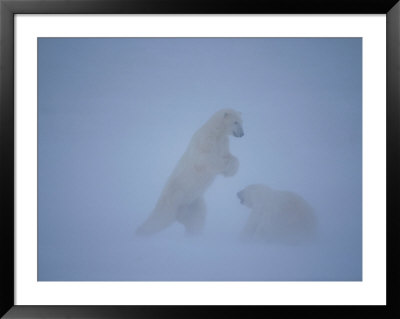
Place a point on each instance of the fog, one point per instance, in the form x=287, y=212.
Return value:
x=115, y=116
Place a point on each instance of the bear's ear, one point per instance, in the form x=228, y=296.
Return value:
x=226, y=114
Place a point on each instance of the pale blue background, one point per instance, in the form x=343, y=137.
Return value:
x=115, y=115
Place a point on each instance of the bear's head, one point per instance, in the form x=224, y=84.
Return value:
x=252, y=195
x=232, y=122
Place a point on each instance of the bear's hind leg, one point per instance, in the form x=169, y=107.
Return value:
x=231, y=166
x=193, y=217
x=155, y=223
x=163, y=215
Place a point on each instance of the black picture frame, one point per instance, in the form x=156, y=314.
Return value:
x=8, y=9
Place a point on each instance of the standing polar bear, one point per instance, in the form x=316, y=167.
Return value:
x=277, y=216
x=206, y=156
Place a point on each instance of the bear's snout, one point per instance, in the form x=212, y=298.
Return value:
x=238, y=132
x=240, y=196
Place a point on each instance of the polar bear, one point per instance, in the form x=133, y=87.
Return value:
x=206, y=156
x=277, y=216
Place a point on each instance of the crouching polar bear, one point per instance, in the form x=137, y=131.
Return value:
x=277, y=216
x=206, y=156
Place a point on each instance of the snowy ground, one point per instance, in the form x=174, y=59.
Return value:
x=108, y=250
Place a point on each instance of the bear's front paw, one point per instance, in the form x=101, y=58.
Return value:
x=231, y=167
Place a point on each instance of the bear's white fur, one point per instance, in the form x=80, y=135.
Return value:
x=277, y=216
x=206, y=156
